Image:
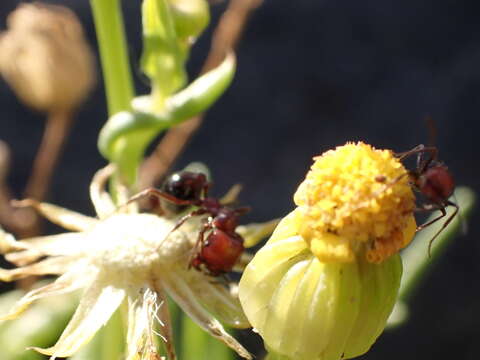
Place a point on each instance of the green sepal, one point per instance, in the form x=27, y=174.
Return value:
x=306, y=309
x=126, y=135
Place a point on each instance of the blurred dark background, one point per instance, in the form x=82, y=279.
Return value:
x=313, y=75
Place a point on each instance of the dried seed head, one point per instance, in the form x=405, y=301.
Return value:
x=45, y=57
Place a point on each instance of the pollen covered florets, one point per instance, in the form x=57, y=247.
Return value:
x=354, y=196
x=138, y=243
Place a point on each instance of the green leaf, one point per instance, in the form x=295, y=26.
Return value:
x=204, y=91
x=40, y=325
x=126, y=135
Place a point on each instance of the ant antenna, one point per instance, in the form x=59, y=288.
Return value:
x=432, y=130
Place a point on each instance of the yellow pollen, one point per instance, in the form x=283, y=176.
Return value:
x=356, y=201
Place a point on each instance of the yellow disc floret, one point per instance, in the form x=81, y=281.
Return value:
x=356, y=201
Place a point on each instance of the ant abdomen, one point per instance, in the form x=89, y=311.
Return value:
x=218, y=242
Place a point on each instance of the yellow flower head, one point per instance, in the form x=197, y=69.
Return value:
x=355, y=200
x=324, y=284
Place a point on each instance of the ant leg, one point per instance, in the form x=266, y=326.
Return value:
x=182, y=220
x=159, y=194
x=445, y=224
x=423, y=165
x=420, y=150
x=431, y=207
x=206, y=188
x=207, y=225
x=406, y=154
x=389, y=185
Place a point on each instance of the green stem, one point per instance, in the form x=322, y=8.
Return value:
x=113, y=52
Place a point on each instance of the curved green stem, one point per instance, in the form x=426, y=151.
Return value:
x=113, y=52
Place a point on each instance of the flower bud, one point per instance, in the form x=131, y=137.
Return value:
x=323, y=286
x=190, y=17
x=45, y=57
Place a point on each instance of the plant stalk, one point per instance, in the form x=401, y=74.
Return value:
x=112, y=42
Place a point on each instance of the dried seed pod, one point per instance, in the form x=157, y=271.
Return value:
x=45, y=58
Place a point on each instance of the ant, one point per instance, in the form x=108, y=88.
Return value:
x=219, y=251
x=433, y=180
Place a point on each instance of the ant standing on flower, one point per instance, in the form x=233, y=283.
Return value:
x=219, y=251
x=432, y=179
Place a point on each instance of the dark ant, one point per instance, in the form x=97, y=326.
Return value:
x=219, y=251
x=433, y=180
x=183, y=185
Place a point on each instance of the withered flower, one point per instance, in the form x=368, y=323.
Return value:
x=122, y=257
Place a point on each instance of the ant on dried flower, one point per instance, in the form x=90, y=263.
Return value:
x=219, y=251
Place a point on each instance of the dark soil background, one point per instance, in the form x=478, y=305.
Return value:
x=313, y=75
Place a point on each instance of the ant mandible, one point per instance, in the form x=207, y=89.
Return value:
x=433, y=180
x=219, y=251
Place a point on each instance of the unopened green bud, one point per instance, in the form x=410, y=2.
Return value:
x=190, y=17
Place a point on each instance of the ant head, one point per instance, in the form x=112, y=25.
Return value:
x=185, y=185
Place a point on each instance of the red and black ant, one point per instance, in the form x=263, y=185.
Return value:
x=432, y=179
x=219, y=251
